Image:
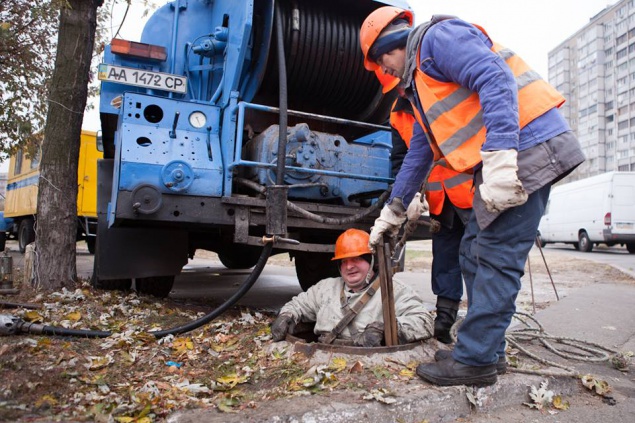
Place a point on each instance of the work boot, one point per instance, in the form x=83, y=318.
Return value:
x=501, y=364
x=450, y=372
x=446, y=316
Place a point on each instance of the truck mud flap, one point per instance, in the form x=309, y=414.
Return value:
x=133, y=252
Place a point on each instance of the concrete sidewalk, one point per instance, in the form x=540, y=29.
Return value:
x=599, y=313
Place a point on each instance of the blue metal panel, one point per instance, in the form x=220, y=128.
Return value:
x=151, y=150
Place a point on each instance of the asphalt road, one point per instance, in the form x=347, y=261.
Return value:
x=207, y=281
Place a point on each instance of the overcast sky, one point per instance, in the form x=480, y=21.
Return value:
x=530, y=28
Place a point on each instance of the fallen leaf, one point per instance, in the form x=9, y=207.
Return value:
x=381, y=395
x=338, y=364
x=600, y=387
x=74, y=316
x=33, y=316
x=407, y=373
x=96, y=363
x=358, y=367
x=541, y=397
x=559, y=403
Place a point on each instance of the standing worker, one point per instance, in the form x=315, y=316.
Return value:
x=486, y=112
x=449, y=195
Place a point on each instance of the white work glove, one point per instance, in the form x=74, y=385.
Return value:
x=501, y=188
x=389, y=222
x=417, y=207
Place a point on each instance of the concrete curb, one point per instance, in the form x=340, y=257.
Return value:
x=416, y=401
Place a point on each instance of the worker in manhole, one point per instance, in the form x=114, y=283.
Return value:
x=482, y=110
x=349, y=308
x=449, y=195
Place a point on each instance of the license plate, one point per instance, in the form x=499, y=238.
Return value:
x=624, y=225
x=142, y=78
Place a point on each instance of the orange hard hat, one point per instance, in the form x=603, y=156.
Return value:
x=388, y=82
x=352, y=243
x=374, y=24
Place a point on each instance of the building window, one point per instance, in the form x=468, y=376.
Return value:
x=17, y=169
x=35, y=159
x=622, y=125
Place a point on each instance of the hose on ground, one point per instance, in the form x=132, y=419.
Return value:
x=11, y=326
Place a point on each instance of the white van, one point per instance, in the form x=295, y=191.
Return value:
x=596, y=210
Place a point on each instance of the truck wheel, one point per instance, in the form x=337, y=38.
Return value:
x=585, y=243
x=26, y=233
x=91, y=242
x=239, y=257
x=110, y=284
x=158, y=286
x=313, y=267
x=3, y=241
x=631, y=247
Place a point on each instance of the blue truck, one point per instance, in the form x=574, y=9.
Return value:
x=194, y=154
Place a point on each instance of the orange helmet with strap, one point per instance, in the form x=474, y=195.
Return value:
x=351, y=243
x=374, y=24
x=388, y=82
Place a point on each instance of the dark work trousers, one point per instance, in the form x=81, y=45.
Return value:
x=447, y=281
x=493, y=262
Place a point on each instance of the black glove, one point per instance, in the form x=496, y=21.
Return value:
x=283, y=324
x=372, y=335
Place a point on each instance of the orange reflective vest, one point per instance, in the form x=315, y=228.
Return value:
x=455, y=115
x=403, y=122
x=442, y=180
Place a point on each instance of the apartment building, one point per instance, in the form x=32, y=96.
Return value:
x=595, y=70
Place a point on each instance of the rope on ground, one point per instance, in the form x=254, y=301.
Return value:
x=580, y=350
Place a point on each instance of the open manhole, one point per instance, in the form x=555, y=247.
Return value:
x=306, y=342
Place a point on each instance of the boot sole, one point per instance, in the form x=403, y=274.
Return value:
x=501, y=366
x=474, y=381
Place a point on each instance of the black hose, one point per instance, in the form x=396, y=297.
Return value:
x=82, y=333
x=316, y=217
x=282, y=85
x=85, y=333
x=242, y=290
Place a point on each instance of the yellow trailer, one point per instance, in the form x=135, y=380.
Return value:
x=22, y=187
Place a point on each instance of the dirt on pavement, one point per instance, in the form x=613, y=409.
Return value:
x=229, y=365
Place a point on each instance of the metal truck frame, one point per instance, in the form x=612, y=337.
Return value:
x=191, y=121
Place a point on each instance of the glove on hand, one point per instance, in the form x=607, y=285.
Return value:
x=501, y=188
x=283, y=324
x=417, y=207
x=390, y=219
x=371, y=337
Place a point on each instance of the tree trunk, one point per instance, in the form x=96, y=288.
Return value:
x=56, y=227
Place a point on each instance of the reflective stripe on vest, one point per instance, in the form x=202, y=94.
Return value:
x=455, y=115
x=457, y=186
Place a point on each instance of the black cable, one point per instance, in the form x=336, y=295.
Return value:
x=85, y=333
x=282, y=101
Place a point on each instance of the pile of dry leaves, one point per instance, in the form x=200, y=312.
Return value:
x=229, y=364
